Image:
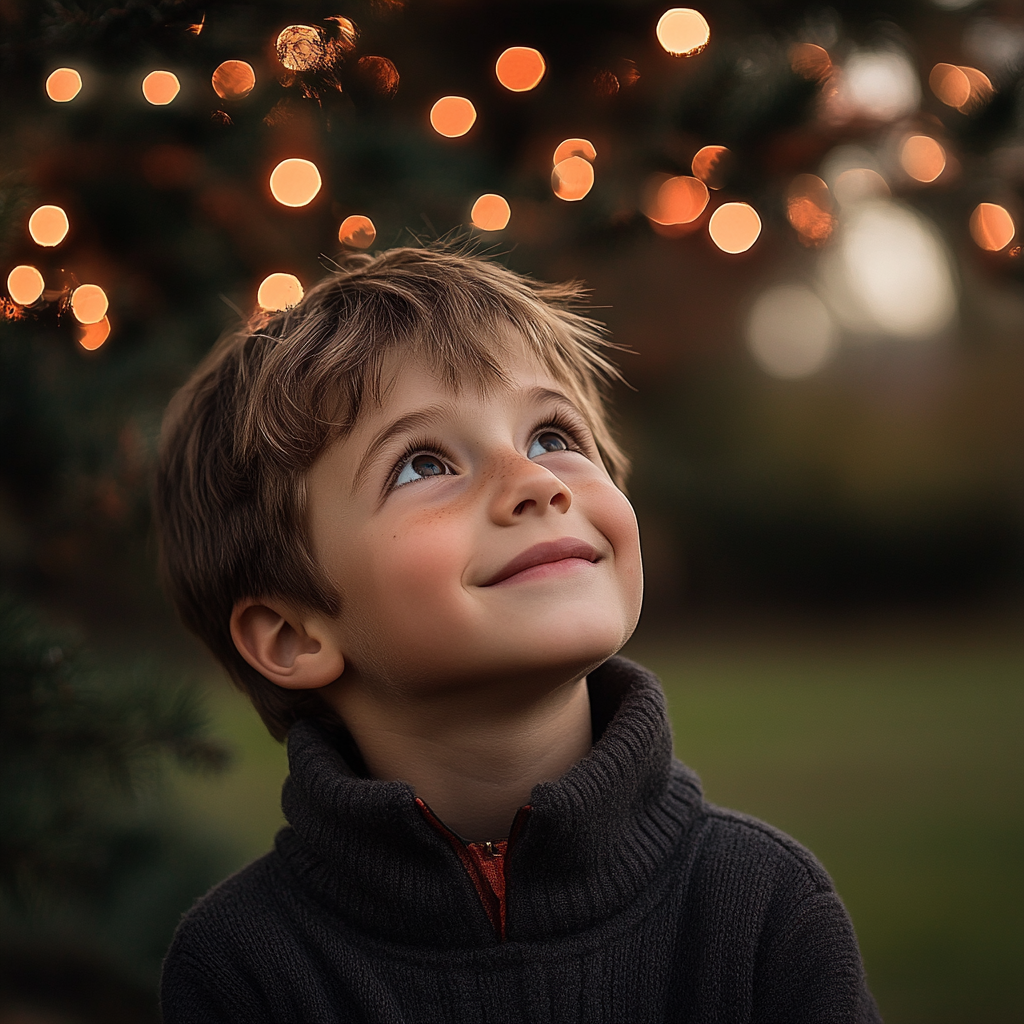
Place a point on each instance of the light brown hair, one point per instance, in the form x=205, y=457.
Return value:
x=239, y=438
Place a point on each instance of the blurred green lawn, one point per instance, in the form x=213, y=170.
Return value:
x=899, y=765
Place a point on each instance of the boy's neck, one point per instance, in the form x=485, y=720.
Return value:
x=474, y=768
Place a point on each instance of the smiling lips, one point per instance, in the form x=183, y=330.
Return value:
x=544, y=553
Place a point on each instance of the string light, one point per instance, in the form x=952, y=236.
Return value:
x=734, y=227
x=950, y=84
x=711, y=164
x=981, y=90
x=452, y=116
x=279, y=291
x=922, y=158
x=160, y=87
x=48, y=225
x=520, y=68
x=91, y=336
x=575, y=147
x=810, y=61
x=809, y=209
x=63, y=85
x=379, y=74
x=347, y=31
x=89, y=303
x=25, y=284
x=572, y=178
x=683, y=32
x=678, y=200
x=233, y=80
x=992, y=226
x=295, y=182
x=300, y=47
x=357, y=232
x=490, y=212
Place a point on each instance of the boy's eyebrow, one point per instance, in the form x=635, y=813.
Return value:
x=421, y=418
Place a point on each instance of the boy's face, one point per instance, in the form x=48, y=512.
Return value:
x=418, y=513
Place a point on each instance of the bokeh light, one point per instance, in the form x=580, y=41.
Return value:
x=922, y=158
x=48, y=225
x=879, y=85
x=357, y=232
x=683, y=31
x=89, y=303
x=279, y=291
x=490, y=212
x=572, y=178
x=809, y=209
x=347, y=31
x=992, y=226
x=520, y=68
x=790, y=332
x=858, y=184
x=63, y=85
x=575, y=147
x=160, y=87
x=301, y=47
x=950, y=84
x=734, y=227
x=677, y=200
x=711, y=164
x=91, y=336
x=810, y=61
x=24, y=284
x=452, y=116
x=295, y=182
x=379, y=74
x=981, y=90
x=233, y=80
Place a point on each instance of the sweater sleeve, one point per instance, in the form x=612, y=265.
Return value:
x=811, y=972
x=189, y=994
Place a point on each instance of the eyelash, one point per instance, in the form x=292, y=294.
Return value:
x=558, y=422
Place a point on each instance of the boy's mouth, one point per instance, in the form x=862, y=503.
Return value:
x=547, y=551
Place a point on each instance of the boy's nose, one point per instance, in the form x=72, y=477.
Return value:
x=526, y=487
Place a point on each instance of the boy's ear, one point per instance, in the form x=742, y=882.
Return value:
x=289, y=649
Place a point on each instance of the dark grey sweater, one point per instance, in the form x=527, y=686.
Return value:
x=628, y=899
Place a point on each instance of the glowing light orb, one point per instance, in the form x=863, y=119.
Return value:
x=452, y=116
x=490, y=213
x=300, y=47
x=379, y=74
x=734, y=227
x=295, y=182
x=992, y=226
x=89, y=303
x=881, y=85
x=91, y=336
x=234, y=80
x=711, y=165
x=520, y=68
x=575, y=147
x=810, y=61
x=48, y=225
x=981, y=90
x=950, y=84
x=63, y=85
x=858, y=184
x=357, y=232
x=24, y=284
x=572, y=178
x=683, y=31
x=160, y=87
x=809, y=209
x=678, y=200
x=348, y=33
x=279, y=291
x=923, y=158
x=790, y=332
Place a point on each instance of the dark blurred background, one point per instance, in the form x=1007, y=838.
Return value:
x=827, y=427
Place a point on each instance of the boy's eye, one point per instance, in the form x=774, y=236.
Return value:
x=420, y=467
x=549, y=441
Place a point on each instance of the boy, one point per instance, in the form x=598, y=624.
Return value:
x=394, y=514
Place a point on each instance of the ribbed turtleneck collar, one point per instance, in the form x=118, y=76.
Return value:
x=593, y=840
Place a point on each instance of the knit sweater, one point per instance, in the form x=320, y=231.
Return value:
x=626, y=898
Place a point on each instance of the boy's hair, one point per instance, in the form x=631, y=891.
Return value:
x=274, y=394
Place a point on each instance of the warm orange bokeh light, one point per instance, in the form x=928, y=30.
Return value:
x=809, y=209
x=89, y=303
x=810, y=61
x=575, y=147
x=572, y=178
x=279, y=291
x=678, y=200
x=25, y=284
x=234, y=80
x=357, y=232
x=490, y=213
x=734, y=227
x=711, y=164
x=295, y=182
x=856, y=184
x=379, y=74
x=348, y=33
x=950, y=84
x=683, y=31
x=63, y=85
x=91, y=336
x=992, y=226
x=160, y=87
x=300, y=47
x=981, y=89
x=520, y=68
x=923, y=158
x=48, y=225
x=452, y=116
